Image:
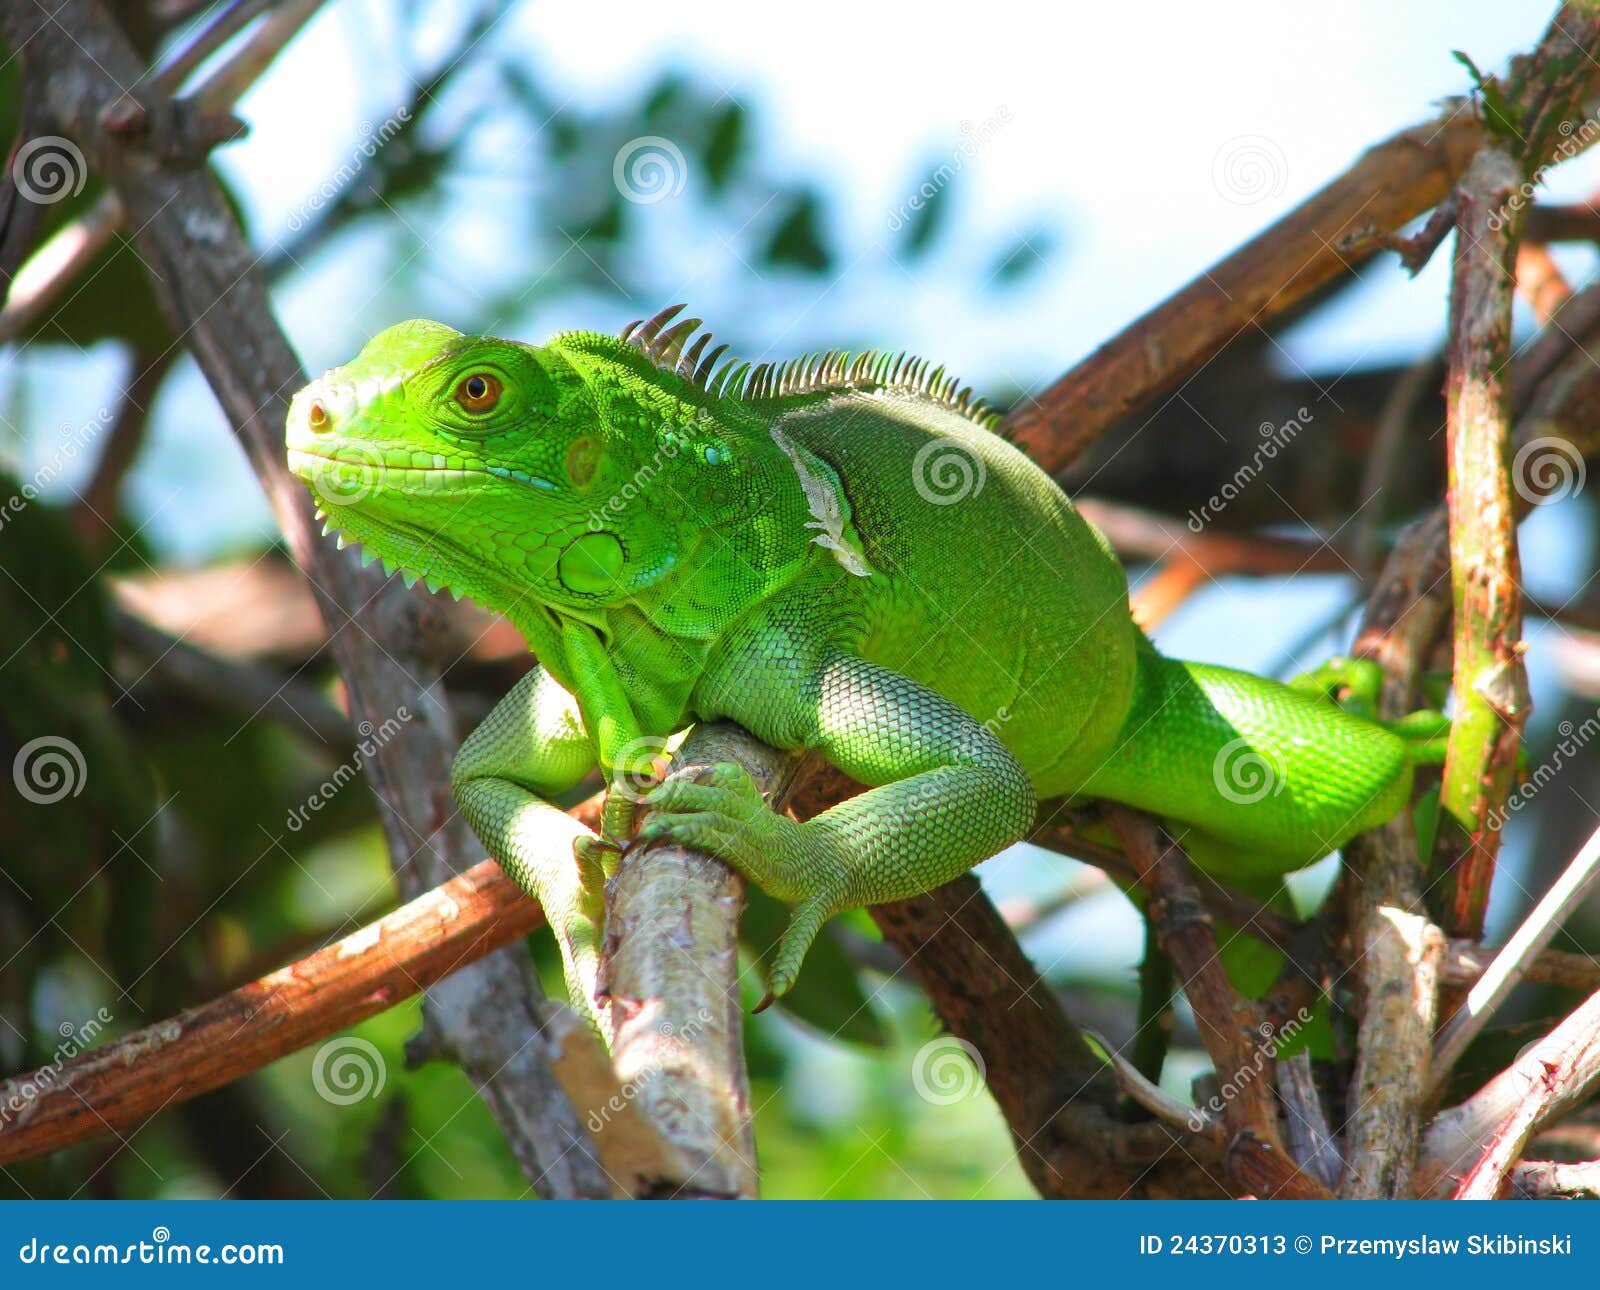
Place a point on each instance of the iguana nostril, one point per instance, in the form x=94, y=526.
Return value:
x=316, y=415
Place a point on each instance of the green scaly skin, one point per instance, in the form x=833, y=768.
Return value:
x=838, y=555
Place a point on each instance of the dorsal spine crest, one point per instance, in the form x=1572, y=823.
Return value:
x=667, y=344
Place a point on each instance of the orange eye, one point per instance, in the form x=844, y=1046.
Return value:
x=479, y=392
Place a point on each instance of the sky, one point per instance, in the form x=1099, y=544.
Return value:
x=1154, y=139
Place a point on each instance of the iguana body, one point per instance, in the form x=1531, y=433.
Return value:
x=837, y=554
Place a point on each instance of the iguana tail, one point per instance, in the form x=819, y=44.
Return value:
x=1258, y=778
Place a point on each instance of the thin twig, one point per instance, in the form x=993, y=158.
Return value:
x=1517, y=957
x=1554, y=1072
x=1548, y=1080
x=1553, y=1180
x=1180, y=1115
x=224, y=86
x=1233, y=1029
x=1465, y=962
x=1311, y=1142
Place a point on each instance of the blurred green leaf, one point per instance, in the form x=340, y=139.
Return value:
x=797, y=242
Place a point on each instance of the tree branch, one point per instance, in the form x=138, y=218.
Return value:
x=202, y=273
x=672, y=976
x=1488, y=1131
x=112, y=1088
x=1328, y=235
x=1490, y=683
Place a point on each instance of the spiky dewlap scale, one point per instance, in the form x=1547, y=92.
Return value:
x=669, y=347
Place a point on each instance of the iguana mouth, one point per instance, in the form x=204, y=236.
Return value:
x=315, y=468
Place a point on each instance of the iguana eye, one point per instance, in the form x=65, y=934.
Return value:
x=479, y=392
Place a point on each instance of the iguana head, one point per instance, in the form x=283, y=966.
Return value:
x=519, y=475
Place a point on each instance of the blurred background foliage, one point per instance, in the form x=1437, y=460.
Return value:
x=148, y=616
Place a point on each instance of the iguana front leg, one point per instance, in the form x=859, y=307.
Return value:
x=530, y=747
x=949, y=795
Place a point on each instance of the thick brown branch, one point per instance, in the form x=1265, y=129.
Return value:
x=1058, y=1099
x=1324, y=237
x=112, y=1088
x=203, y=276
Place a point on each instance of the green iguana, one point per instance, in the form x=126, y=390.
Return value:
x=838, y=553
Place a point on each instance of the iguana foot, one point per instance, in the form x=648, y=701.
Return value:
x=723, y=813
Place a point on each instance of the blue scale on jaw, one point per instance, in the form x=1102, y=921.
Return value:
x=521, y=476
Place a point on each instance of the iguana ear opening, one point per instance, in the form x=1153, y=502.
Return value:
x=829, y=507
x=582, y=460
